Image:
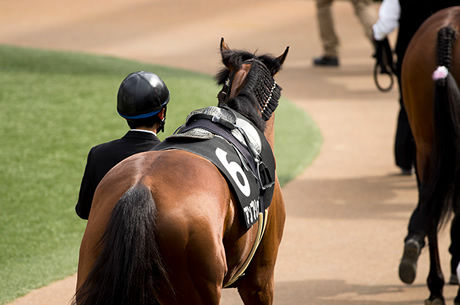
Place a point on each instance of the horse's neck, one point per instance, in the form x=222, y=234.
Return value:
x=270, y=131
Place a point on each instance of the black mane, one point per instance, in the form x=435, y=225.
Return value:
x=246, y=104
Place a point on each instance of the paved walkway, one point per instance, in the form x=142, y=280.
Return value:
x=347, y=213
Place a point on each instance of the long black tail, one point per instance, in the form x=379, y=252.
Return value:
x=129, y=270
x=439, y=192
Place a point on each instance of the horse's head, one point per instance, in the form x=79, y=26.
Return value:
x=248, y=84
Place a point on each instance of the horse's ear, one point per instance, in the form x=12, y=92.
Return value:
x=224, y=51
x=282, y=57
x=223, y=46
x=274, y=64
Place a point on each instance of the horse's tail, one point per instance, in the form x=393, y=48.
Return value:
x=129, y=269
x=439, y=193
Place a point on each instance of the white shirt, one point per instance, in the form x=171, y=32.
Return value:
x=143, y=130
x=389, y=14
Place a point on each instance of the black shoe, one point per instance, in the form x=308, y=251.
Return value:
x=326, y=61
x=408, y=264
x=453, y=280
x=406, y=171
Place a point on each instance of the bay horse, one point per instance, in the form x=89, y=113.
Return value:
x=431, y=96
x=164, y=227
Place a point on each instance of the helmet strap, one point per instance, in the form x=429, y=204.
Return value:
x=162, y=117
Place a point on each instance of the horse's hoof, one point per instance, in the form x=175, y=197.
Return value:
x=408, y=264
x=436, y=301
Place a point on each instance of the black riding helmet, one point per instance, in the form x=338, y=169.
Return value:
x=141, y=95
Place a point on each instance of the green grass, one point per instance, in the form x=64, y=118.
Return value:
x=297, y=141
x=53, y=107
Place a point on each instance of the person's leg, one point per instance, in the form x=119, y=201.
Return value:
x=327, y=33
x=367, y=15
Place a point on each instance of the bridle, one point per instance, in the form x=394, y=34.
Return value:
x=224, y=94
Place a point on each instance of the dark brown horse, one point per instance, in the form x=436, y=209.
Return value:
x=164, y=227
x=430, y=69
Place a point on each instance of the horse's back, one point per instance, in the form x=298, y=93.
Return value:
x=183, y=186
x=172, y=177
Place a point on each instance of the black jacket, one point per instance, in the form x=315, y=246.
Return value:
x=103, y=157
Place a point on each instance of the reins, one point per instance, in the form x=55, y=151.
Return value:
x=378, y=69
x=383, y=64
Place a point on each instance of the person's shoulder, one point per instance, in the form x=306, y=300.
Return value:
x=100, y=148
x=130, y=143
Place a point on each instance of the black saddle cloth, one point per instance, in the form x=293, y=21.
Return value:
x=249, y=172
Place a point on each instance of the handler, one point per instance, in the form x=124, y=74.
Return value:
x=142, y=99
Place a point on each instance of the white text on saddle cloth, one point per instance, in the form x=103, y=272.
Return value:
x=252, y=211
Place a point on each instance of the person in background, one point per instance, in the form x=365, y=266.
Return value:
x=366, y=14
x=409, y=15
x=142, y=100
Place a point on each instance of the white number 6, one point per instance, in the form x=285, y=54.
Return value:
x=234, y=169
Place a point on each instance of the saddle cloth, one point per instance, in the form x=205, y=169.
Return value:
x=238, y=149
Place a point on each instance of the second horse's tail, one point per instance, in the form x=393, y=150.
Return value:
x=439, y=193
x=129, y=269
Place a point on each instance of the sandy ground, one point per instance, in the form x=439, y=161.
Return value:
x=348, y=212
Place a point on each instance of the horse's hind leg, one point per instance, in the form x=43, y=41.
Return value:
x=195, y=260
x=435, y=279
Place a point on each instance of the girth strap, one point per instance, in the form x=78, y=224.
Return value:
x=262, y=224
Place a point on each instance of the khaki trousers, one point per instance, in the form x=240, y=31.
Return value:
x=365, y=12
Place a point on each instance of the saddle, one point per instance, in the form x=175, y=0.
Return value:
x=238, y=149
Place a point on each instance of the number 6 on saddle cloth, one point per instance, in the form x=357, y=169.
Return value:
x=237, y=148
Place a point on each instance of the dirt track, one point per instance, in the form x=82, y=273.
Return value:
x=347, y=213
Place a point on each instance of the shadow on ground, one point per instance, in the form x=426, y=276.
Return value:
x=338, y=292
x=352, y=198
